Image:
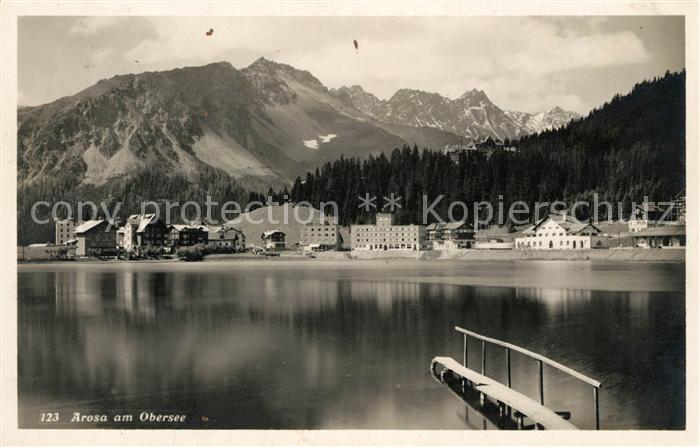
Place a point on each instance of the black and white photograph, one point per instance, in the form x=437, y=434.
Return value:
x=234, y=219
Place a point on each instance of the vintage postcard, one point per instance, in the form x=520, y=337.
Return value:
x=356, y=223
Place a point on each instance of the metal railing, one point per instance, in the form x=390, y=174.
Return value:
x=541, y=361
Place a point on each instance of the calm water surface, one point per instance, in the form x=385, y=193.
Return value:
x=344, y=344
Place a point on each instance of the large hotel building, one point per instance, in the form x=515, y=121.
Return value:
x=319, y=236
x=387, y=236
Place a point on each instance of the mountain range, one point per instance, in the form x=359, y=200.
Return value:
x=472, y=115
x=630, y=149
x=268, y=121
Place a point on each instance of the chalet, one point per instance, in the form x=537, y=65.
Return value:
x=273, y=240
x=561, y=231
x=488, y=144
x=450, y=235
x=185, y=235
x=666, y=236
x=96, y=238
x=226, y=236
x=143, y=230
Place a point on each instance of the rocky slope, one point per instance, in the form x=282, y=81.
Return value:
x=472, y=115
x=179, y=119
x=539, y=122
x=268, y=120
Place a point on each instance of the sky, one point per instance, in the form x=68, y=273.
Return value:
x=527, y=64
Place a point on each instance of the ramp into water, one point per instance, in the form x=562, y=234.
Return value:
x=522, y=404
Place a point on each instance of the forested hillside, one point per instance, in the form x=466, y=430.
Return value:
x=631, y=147
x=144, y=185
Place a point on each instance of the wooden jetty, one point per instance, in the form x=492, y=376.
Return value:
x=510, y=402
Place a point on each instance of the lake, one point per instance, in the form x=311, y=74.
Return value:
x=320, y=344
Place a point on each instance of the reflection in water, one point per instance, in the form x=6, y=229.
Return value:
x=271, y=347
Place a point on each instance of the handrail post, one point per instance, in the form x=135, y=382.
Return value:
x=597, y=408
x=466, y=361
x=541, y=383
x=483, y=358
x=508, y=367
x=541, y=361
x=508, y=381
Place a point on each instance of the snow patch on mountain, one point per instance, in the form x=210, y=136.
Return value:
x=315, y=144
x=311, y=144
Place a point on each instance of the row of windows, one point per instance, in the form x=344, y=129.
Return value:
x=391, y=240
x=569, y=243
x=388, y=246
x=386, y=234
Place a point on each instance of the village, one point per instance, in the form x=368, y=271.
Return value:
x=147, y=236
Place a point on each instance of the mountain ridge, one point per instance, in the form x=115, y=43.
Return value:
x=472, y=114
x=268, y=120
x=630, y=149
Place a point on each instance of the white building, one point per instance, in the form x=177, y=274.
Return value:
x=274, y=240
x=387, y=236
x=667, y=236
x=319, y=236
x=560, y=232
x=225, y=236
x=65, y=230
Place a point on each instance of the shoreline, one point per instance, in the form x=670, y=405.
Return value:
x=612, y=255
x=622, y=255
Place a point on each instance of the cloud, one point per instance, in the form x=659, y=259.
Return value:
x=94, y=24
x=21, y=97
x=521, y=62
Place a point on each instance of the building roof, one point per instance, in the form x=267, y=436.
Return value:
x=142, y=220
x=180, y=227
x=271, y=232
x=87, y=226
x=529, y=230
x=217, y=228
x=324, y=223
x=227, y=227
x=447, y=225
x=575, y=228
x=565, y=220
x=664, y=230
x=648, y=206
x=146, y=221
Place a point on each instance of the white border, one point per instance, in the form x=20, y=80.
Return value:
x=8, y=271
